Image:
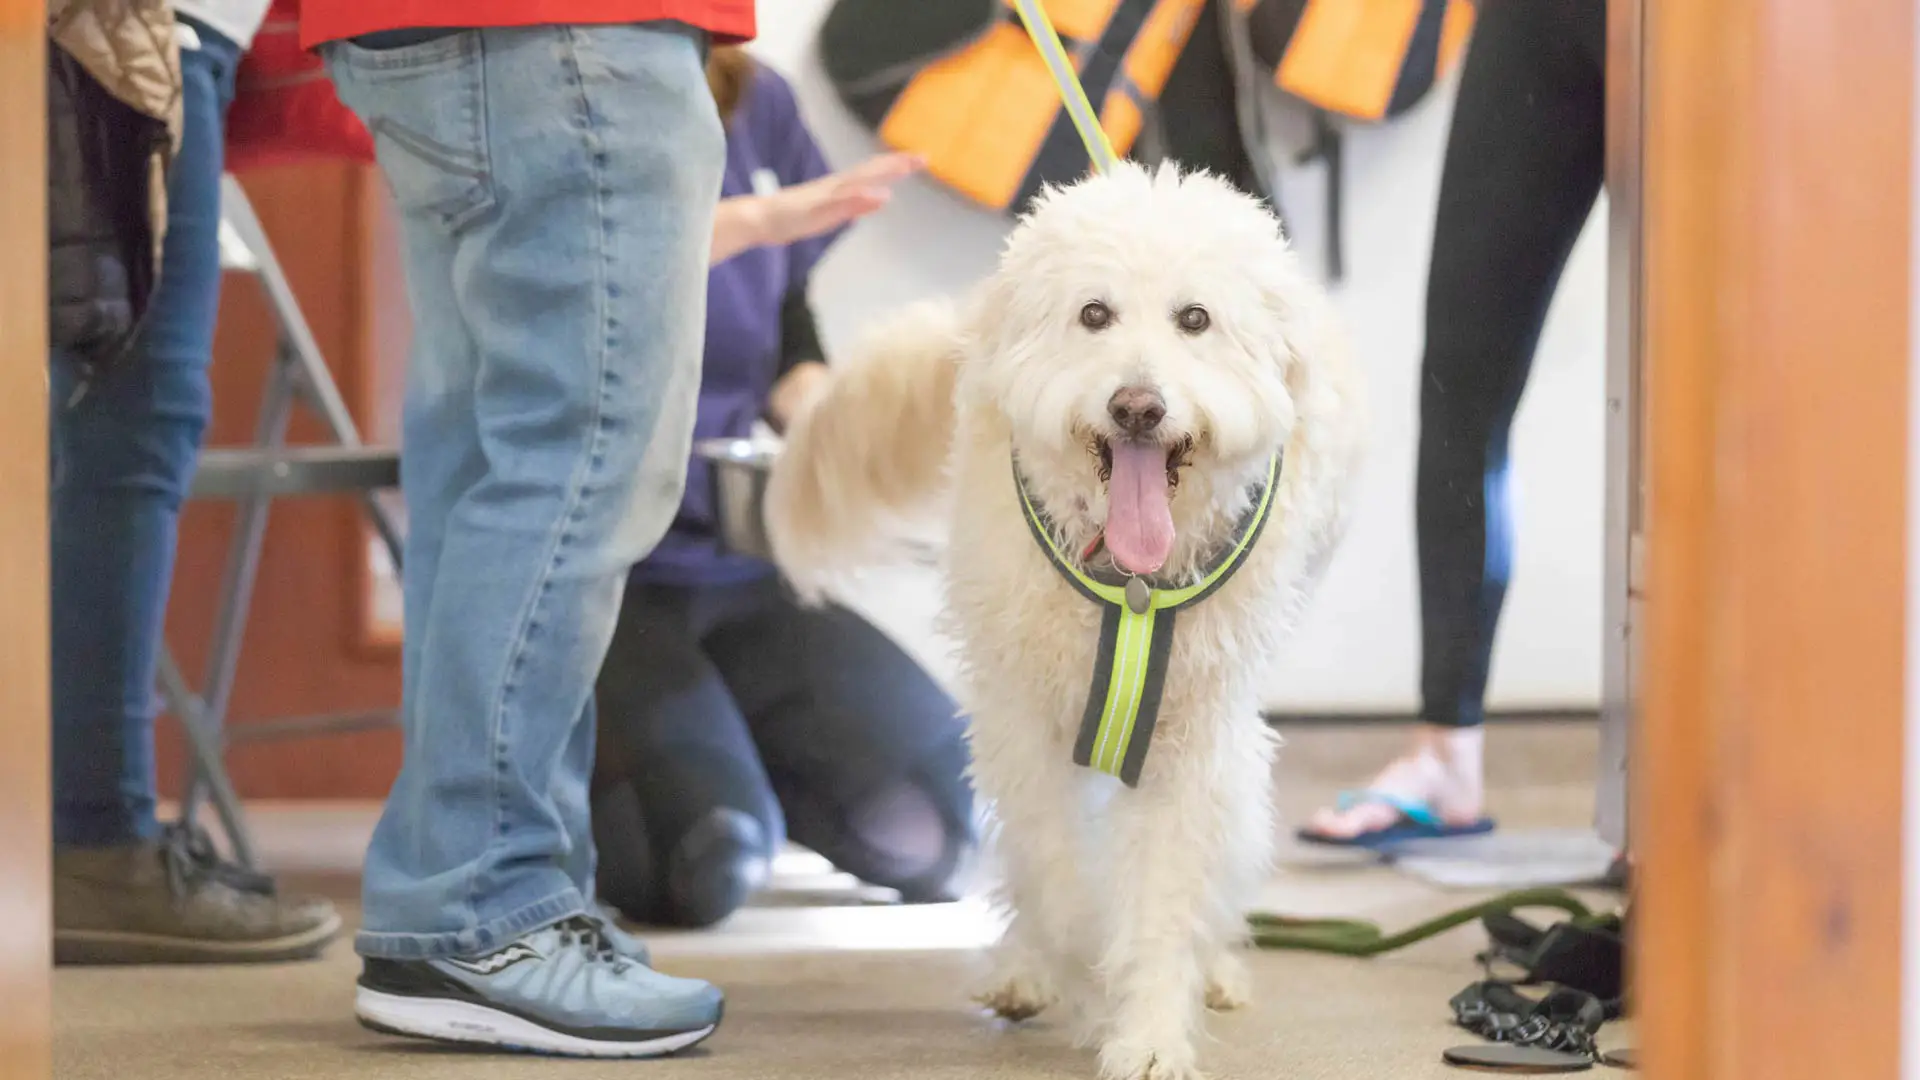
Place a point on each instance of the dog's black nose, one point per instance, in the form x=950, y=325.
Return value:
x=1136, y=409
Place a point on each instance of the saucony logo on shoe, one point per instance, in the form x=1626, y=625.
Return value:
x=496, y=962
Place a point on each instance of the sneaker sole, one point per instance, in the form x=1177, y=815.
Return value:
x=111, y=947
x=468, y=1024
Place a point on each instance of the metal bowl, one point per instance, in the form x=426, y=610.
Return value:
x=738, y=470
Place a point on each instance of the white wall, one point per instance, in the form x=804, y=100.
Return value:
x=1360, y=650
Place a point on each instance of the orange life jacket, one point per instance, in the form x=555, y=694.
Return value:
x=960, y=82
x=1353, y=60
x=1362, y=59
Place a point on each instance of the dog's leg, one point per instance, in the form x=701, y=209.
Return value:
x=1022, y=985
x=1248, y=858
x=1037, y=806
x=1179, y=864
x=1229, y=983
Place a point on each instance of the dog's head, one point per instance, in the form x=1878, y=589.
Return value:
x=1143, y=338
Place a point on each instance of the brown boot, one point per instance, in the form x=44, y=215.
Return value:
x=175, y=901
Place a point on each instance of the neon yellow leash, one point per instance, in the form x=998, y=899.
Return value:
x=1073, y=96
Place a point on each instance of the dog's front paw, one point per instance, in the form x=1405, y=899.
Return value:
x=1229, y=985
x=1017, y=998
x=1132, y=1059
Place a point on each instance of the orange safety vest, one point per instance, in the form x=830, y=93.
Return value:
x=960, y=82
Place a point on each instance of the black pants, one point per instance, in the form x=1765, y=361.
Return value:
x=1525, y=160
x=810, y=721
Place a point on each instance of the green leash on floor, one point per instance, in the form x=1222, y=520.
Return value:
x=1358, y=937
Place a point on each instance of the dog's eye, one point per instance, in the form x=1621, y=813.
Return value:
x=1193, y=318
x=1096, y=316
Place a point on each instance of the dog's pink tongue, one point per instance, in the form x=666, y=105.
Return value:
x=1139, y=530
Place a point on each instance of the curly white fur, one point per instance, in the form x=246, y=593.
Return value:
x=1133, y=896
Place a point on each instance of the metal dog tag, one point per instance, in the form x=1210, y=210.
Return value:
x=1139, y=597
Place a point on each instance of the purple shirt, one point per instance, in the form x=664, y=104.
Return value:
x=766, y=136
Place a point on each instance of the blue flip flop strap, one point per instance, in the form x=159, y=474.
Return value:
x=1417, y=812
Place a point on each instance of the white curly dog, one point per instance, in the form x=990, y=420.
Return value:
x=1143, y=427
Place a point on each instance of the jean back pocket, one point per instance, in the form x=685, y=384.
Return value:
x=426, y=106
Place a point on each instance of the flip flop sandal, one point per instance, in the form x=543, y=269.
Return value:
x=1564, y=1021
x=1623, y=1058
x=1417, y=821
x=1530, y=1060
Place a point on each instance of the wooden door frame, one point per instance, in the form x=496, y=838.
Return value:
x=26, y=910
x=1623, y=568
x=1768, y=758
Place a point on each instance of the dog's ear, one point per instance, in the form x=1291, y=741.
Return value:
x=1331, y=423
x=1005, y=316
x=1312, y=346
x=1293, y=306
x=996, y=331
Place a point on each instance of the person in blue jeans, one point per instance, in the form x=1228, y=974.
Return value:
x=556, y=183
x=123, y=446
x=732, y=717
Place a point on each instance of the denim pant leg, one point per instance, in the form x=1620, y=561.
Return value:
x=122, y=459
x=557, y=187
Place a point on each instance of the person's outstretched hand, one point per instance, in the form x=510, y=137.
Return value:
x=810, y=209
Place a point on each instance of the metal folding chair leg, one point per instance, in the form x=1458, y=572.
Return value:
x=236, y=600
x=299, y=373
x=205, y=744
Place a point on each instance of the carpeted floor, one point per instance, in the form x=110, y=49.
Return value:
x=826, y=983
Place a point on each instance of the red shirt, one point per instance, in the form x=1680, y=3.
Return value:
x=729, y=21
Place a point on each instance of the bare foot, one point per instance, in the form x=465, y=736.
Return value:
x=1442, y=769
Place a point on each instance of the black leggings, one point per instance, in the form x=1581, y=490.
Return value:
x=1524, y=163
x=810, y=721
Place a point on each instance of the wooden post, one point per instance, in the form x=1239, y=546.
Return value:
x=25, y=831
x=1768, y=761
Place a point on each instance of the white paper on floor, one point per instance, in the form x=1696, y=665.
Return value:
x=1508, y=859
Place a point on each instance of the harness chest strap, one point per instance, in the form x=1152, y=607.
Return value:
x=1136, y=638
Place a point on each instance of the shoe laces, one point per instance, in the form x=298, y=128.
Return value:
x=191, y=860
x=590, y=935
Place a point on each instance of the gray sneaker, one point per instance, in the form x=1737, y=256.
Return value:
x=623, y=942
x=562, y=990
x=175, y=901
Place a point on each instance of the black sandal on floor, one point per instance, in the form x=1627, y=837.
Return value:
x=1499, y=1057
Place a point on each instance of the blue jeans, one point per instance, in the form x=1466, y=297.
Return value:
x=122, y=458
x=556, y=187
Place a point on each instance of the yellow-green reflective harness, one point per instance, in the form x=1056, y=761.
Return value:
x=1136, y=637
